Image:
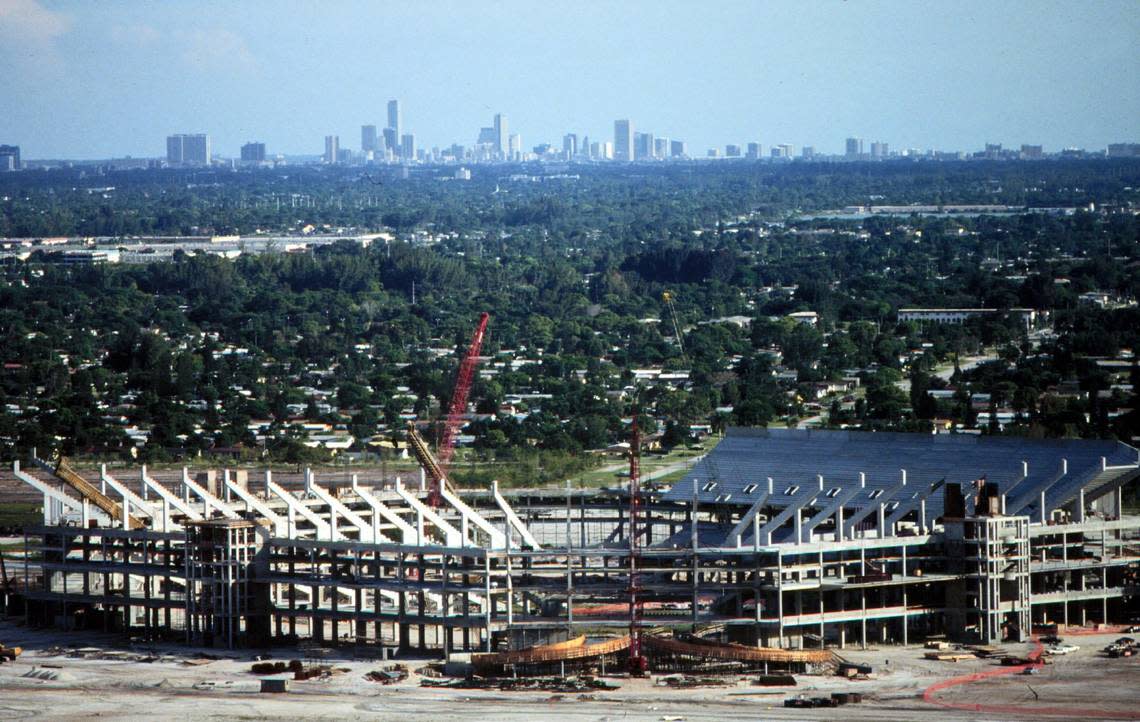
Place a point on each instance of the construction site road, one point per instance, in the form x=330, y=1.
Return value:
x=57, y=678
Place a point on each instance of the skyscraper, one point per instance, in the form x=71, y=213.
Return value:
x=394, y=117
x=391, y=141
x=367, y=138
x=514, y=147
x=9, y=157
x=188, y=149
x=502, y=136
x=570, y=145
x=332, y=148
x=854, y=147
x=253, y=152
x=623, y=140
x=753, y=152
x=677, y=149
x=408, y=146
x=879, y=149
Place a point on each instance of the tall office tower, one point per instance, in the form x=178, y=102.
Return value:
x=808, y=152
x=623, y=140
x=174, y=149
x=879, y=149
x=367, y=138
x=660, y=147
x=1031, y=151
x=9, y=157
x=502, y=137
x=677, y=149
x=584, y=146
x=408, y=146
x=753, y=152
x=641, y=145
x=514, y=146
x=854, y=147
x=732, y=151
x=394, y=117
x=607, y=150
x=391, y=140
x=332, y=148
x=188, y=149
x=253, y=152
x=570, y=145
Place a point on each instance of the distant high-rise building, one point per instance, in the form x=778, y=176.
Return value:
x=188, y=149
x=854, y=147
x=394, y=119
x=502, y=136
x=808, y=152
x=677, y=149
x=514, y=146
x=732, y=151
x=660, y=147
x=643, y=146
x=1115, y=150
x=1031, y=151
x=623, y=140
x=10, y=157
x=607, y=150
x=753, y=151
x=332, y=149
x=391, y=140
x=570, y=145
x=486, y=137
x=408, y=146
x=253, y=152
x=879, y=149
x=367, y=138
x=781, y=151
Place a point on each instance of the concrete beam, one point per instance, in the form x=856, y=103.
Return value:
x=49, y=493
x=834, y=507
x=750, y=517
x=802, y=499
x=1036, y=492
x=380, y=509
x=169, y=497
x=280, y=525
x=209, y=501
x=469, y=516
x=873, y=505
x=513, y=518
x=336, y=507
x=453, y=537
x=296, y=508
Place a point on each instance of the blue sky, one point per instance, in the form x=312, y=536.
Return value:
x=101, y=78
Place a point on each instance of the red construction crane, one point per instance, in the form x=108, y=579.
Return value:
x=638, y=664
x=458, y=406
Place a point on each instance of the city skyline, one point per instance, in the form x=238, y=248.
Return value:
x=89, y=81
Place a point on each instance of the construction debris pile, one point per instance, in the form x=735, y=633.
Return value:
x=584, y=683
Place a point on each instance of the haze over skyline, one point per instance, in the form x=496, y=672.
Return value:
x=96, y=80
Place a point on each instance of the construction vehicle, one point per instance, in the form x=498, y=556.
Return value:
x=9, y=654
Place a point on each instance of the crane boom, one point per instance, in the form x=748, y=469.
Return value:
x=458, y=407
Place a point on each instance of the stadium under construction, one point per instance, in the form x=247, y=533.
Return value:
x=776, y=546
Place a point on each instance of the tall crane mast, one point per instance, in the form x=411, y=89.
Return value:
x=667, y=297
x=637, y=661
x=457, y=408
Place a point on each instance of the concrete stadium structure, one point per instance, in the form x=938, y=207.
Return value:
x=794, y=539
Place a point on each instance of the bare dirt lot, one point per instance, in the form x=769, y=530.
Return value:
x=82, y=676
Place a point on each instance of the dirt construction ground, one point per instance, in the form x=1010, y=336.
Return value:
x=82, y=676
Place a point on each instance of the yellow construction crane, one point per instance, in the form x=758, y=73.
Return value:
x=667, y=297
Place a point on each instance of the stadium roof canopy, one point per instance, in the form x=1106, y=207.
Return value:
x=736, y=472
